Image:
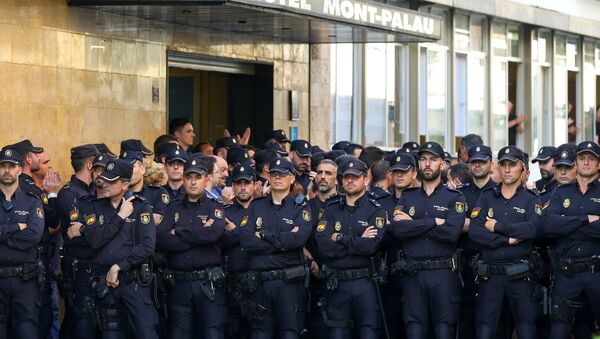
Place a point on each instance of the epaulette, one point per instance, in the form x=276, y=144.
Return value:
x=29, y=181
x=374, y=202
x=215, y=200
x=452, y=189
x=32, y=194
x=534, y=191
x=140, y=197
x=334, y=200
x=67, y=185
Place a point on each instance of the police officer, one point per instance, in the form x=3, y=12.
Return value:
x=429, y=223
x=347, y=236
x=480, y=164
x=404, y=173
x=21, y=228
x=564, y=166
x=571, y=220
x=190, y=234
x=300, y=156
x=122, y=233
x=236, y=258
x=77, y=258
x=274, y=233
x=545, y=161
x=156, y=196
x=31, y=164
x=505, y=222
x=174, y=185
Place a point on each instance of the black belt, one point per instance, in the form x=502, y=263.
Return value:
x=128, y=276
x=589, y=265
x=271, y=275
x=191, y=275
x=18, y=271
x=350, y=274
x=431, y=264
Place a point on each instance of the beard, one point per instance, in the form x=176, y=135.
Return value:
x=433, y=176
x=546, y=174
x=324, y=188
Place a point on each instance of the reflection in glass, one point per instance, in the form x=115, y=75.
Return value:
x=341, y=92
x=380, y=102
x=436, y=96
x=475, y=122
x=499, y=116
x=560, y=101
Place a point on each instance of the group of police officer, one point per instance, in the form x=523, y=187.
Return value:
x=316, y=249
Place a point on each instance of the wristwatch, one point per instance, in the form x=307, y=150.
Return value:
x=339, y=237
x=82, y=230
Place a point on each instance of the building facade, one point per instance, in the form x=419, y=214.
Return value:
x=540, y=58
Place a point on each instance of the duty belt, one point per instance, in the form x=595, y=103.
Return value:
x=191, y=275
x=431, y=264
x=24, y=270
x=349, y=274
x=587, y=265
x=128, y=276
x=271, y=275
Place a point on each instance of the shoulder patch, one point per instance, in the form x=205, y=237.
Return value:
x=39, y=212
x=538, y=209
x=321, y=225
x=145, y=217
x=165, y=198
x=379, y=222
x=44, y=199
x=90, y=219
x=73, y=215
x=218, y=213
x=306, y=215
x=566, y=203
x=244, y=221
x=460, y=207
x=475, y=212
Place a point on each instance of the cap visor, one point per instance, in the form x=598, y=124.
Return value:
x=400, y=167
x=109, y=176
x=508, y=157
x=479, y=158
x=37, y=149
x=12, y=161
x=353, y=172
x=304, y=155
x=194, y=170
x=536, y=159
x=279, y=170
x=175, y=159
x=564, y=162
x=590, y=151
x=244, y=177
x=432, y=152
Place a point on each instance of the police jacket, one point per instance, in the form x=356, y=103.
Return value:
x=194, y=245
x=236, y=255
x=20, y=246
x=518, y=217
x=352, y=250
x=157, y=197
x=284, y=230
x=566, y=220
x=471, y=193
x=421, y=236
x=126, y=242
x=68, y=203
x=27, y=184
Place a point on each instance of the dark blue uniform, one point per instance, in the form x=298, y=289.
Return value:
x=352, y=297
x=48, y=250
x=430, y=285
x=76, y=264
x=174, y=194
x=19, y=268
x=518, y=217
x=237, y=264
x=277, y=301
x=128, y=243
x=158, y=197
x=194, y=256
x=576, y=246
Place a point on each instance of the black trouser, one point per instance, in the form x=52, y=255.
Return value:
x=19, y=307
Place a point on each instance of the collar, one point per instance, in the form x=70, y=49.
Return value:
x=285, y=200
x=18, y=193
x=200, y=201
x=358, y=203
x=498, y=190
x=441, y=184
x=26, y=178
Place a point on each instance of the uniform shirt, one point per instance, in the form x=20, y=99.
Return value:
x=68, y=204
x=390, y=244
x=232, y=249
x=280, y=247
x=27, y=184
x=193, y=246
x=157, y=197
x=18, y=247
x=545, y=185
x=566, y=220
x=421, y=236
x=352, y=251
x=471, y=193
x=377, y=193
x=304, y=180
x=126, y=242
x=518, y=217
x=175, y=194
x=317, y=210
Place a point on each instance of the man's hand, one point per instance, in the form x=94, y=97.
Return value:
x=333, y=236
x=172, y=231
x=314, y=269
x=490, y=224
x=245, y=138
x=208, y=223
x=22, y=226
x=112, y=276
x=402, y=216
x=593, y=218
x=74, y=230
x=439, y=221
x=51, y=183
x=513, y=241
x=295, y=229
x=227, y=194
x=370, y=232
x=229, y=226
x=126, y=208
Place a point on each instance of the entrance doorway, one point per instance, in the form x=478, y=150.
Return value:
x=219, y=95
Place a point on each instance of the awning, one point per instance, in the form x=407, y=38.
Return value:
x=300, y=21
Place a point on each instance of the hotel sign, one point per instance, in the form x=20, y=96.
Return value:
x=361, y=13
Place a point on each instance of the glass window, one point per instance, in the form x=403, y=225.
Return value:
x=589, y=91
x=460, y=94
x=461, y=32
x=476, y=30
x=513, y=35
x=436, y=96
x=499, y=114
x=499, y=46
x=597, y=57
x=572, y=52
x=380, y=95
x=341, y=91
x=560, y=101
x=476, y=83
